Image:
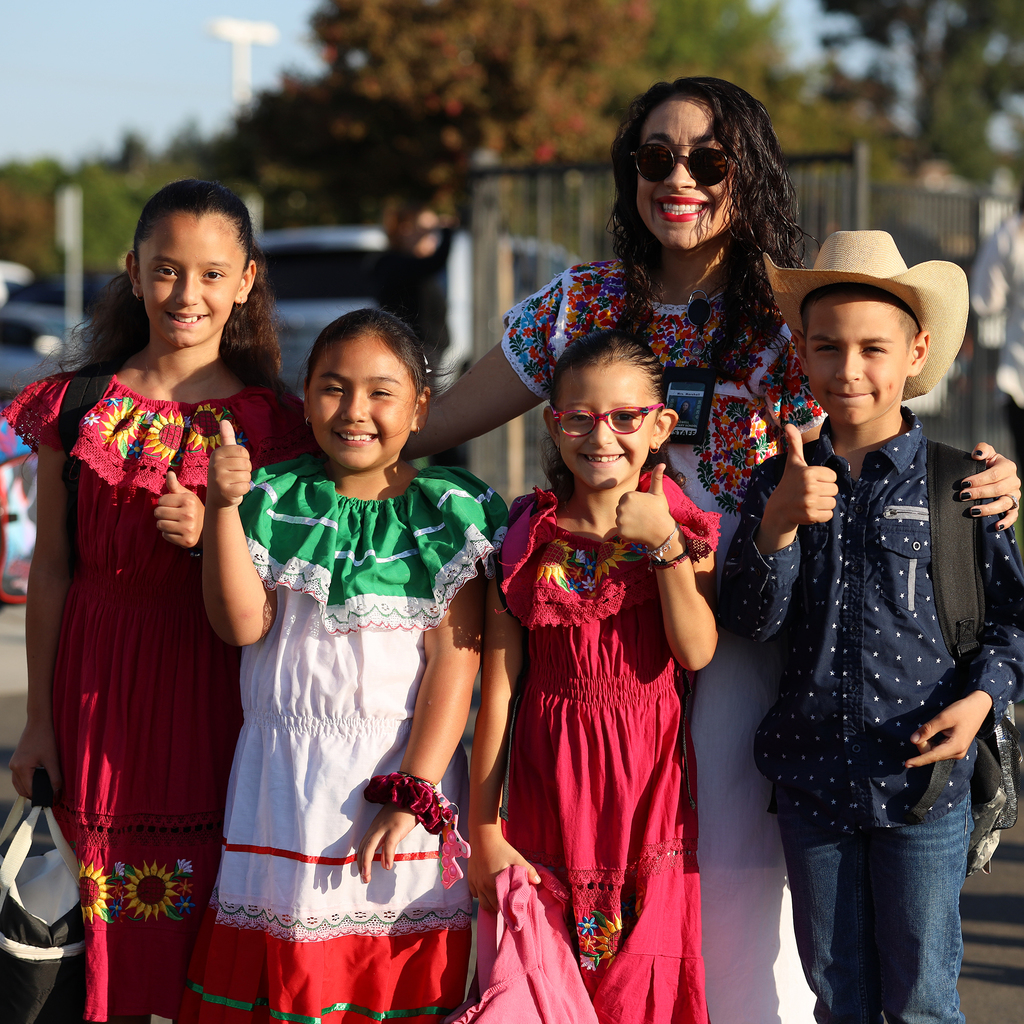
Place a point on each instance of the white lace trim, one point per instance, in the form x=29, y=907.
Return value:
x=380, y=611
x=411, y=921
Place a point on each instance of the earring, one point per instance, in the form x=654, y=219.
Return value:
x=137, y=295
x=307, y=421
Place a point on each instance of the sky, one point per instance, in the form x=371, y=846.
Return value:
x=75, y=76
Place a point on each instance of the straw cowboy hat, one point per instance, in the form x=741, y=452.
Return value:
x=936, y=291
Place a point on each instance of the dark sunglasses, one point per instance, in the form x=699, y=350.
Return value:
x=707, y=166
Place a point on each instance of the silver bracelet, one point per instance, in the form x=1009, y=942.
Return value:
x=656, y=552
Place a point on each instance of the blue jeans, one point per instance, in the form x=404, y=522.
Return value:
x=877, y=916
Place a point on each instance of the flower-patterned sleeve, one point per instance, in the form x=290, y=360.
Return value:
x=786, y=390
x=528, y=343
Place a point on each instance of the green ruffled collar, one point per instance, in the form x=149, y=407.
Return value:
x=395, y=563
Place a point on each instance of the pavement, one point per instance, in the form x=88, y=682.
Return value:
x=992, y=906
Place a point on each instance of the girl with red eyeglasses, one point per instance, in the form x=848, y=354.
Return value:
x=611, y=575
x=701, y=194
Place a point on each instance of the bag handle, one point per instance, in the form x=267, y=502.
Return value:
x=18, y=850
x=42, y=798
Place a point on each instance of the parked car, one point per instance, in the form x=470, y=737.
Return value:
x=13, y=277
x=32, y=328
x=318, y=274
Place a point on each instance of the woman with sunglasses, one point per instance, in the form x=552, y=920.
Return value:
x=701, y=193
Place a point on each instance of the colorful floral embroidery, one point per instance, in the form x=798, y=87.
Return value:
x=599, y=938
x=138, y=433
x=741, y=431
x=579, y=571
x=133, y=893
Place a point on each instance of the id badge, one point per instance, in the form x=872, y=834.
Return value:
x=690, y=391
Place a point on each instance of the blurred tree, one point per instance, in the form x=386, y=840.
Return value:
x=735, y=40
x=940, y=70
x=114, y=190
x=414, y=87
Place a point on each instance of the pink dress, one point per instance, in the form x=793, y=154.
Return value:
x=601, y=789
x=145, y=697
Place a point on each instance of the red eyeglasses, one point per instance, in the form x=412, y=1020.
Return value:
x=624, y=420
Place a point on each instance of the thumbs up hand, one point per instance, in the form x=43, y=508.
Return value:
x=230, y=471
x=645, y=518
x=179, y=514
x=804, y=495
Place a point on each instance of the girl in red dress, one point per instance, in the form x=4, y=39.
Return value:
x=133, y=705
x=612, y=575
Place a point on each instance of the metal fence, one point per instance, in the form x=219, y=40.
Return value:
x=530, y=223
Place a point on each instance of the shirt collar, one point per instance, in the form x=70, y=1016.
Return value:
x=900, y=451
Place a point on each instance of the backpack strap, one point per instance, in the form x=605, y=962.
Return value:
x=84, y=390
x=958, y=587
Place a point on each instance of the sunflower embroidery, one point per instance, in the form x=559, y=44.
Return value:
x=598, y=939
x=116, y=423
x=204, y=429
x=577, y=571
x=165, y=437
x=93, y=890
x=151, y=890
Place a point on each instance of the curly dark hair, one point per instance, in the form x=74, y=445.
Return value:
x=763, y=214
x=392, y=330
x=598, y=348
x=119, y=326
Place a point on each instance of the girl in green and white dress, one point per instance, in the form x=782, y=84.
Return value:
x=354, y=583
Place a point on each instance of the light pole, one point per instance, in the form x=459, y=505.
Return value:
x=243, y=35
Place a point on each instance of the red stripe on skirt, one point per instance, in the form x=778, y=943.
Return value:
x=305, y=858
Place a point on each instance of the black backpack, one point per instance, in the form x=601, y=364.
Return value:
x=960, y=608
x=84, y=390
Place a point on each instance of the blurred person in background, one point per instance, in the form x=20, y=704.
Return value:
x=997, y=287
x=409, y=277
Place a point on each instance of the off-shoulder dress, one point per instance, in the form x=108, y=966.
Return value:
x=145, y=696
x=603, y=779
x=329, y=694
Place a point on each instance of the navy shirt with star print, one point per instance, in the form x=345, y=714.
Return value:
x=866, y=664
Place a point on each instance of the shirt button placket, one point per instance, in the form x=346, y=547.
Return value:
x=852, y=553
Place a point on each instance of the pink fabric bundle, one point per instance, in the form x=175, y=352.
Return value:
x=525, y=959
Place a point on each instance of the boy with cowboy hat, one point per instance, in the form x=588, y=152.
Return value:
x=834, y=548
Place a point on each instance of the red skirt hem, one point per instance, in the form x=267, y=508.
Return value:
x=241, y=976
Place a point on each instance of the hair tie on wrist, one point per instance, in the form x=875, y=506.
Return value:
x=432, y=810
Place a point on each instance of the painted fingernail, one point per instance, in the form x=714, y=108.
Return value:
x=975, y=511
x=977, y=451
x=965, y=495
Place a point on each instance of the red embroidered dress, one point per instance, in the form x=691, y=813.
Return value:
x=600, y=788
x=145, y=697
